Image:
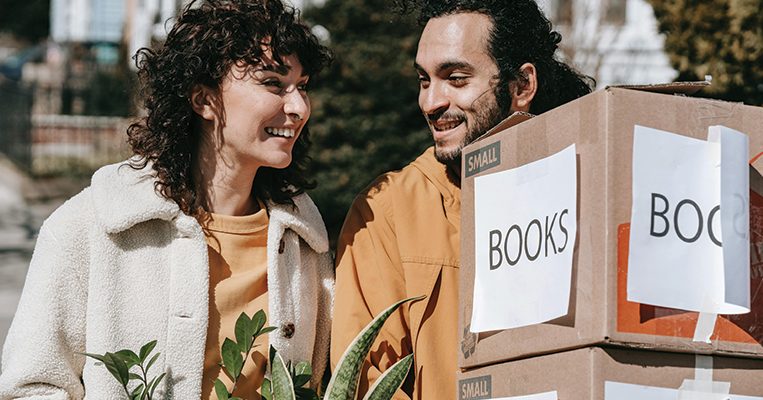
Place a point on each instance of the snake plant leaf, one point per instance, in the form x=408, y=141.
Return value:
x=265, y=391
x=281, y=384
x=388, y=383
x=244, y=331
x=344, y=383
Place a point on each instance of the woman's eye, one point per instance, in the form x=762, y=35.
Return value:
x=273, y=83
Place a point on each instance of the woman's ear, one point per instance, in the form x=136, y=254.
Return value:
x=523, y=91
x=202, y=102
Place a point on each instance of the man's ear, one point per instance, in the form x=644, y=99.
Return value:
x=202, y=101
x=523, y=90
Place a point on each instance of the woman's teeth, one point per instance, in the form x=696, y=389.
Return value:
x=283, y=132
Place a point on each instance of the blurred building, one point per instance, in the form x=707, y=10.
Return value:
x=615, y=41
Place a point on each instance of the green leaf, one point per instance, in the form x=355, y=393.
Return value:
x=258, y=321
x=244, y=331
x=265, y=391
x=266, y=330
x=302, y=374
x=135, y=394
x=388, y=383
x=129, y=356
x=221, y=390
x=95, y=356
x=306, y=394
x=151, y=362
x=135, y=376
x=283, y=387
x=154, y=384
x=344, y=383
x=146, y=350
x=232, y=358
x=117, y=367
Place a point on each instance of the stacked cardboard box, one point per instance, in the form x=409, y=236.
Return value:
x=601, y=126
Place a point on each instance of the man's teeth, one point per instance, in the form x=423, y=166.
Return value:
x=284, y=132
x=447, y=126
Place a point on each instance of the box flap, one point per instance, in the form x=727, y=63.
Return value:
x=687, y=88
x=513, y=119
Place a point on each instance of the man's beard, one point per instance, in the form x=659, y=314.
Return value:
x=486, y=116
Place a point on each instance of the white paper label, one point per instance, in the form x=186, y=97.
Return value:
x=525, y=229
x=625, y=391
x=539, y=396
x=689, y=221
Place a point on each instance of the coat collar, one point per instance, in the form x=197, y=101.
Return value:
x=124, y=197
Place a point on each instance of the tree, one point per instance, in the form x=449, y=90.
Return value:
x=721, y=38
x=27, y=19
x=366, y=119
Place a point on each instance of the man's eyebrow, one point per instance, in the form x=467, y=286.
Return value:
x=446, y=65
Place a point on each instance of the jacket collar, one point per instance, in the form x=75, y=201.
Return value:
x=124, y=197
x=442, y=177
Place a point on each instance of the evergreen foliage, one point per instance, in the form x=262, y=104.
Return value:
x=27, y=19
x=365, y=119
x=722, y=38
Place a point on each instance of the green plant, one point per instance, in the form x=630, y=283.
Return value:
x=344, y=383
x=120, y=363
x=286, y=382
x=247, y=330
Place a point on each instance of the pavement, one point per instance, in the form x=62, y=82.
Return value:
x=24, y=205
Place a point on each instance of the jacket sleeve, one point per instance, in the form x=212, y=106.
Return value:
x=369, y=279
x=39, y=359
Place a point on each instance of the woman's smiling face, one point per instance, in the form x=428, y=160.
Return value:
x=264, y=108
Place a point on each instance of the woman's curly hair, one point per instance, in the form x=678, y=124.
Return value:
x=520, y=34
x=205, y=42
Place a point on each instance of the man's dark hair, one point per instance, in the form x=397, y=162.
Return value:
x=520, y=34
x=208, y=38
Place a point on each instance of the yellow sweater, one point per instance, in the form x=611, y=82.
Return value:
x=237, y=283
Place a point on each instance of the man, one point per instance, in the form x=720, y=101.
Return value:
x=478, y=61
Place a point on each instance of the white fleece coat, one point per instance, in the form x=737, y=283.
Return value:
x=118, y=266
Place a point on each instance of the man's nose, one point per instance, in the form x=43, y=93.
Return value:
x=434, y=98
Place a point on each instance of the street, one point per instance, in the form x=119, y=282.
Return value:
x=24, y=206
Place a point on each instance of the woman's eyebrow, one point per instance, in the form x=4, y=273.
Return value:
x=280, y=69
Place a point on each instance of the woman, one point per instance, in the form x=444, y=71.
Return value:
x=208, y=220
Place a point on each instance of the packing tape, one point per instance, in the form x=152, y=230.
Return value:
x=706, y=321
x=702, y=387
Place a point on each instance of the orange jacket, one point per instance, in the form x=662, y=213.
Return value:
x=401, y=240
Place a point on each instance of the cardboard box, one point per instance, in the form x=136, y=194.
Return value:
x=589, y=373
x=601, y=126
